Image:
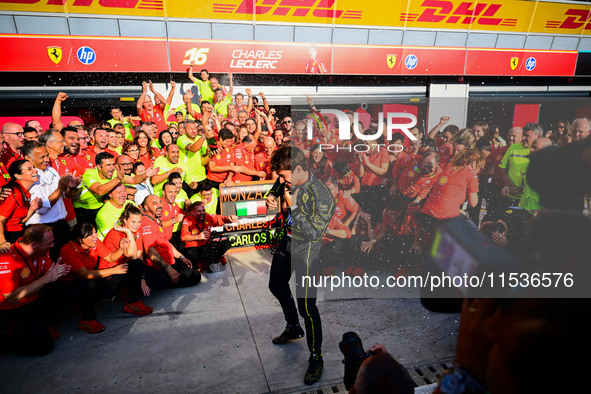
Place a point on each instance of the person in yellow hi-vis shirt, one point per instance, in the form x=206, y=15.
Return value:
x=194, y=149
x=209, y=197
x=168, y=164
x=108, y=215
x=205, y=89
x=117, y=117
x=97, y=183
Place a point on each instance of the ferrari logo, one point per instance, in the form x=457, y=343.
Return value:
x=305, y=198
x=391, y=60
x=514, y=62
x=55, y=54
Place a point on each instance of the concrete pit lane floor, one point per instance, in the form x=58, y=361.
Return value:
x=216, y=338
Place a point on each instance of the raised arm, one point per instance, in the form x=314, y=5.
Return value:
x=249, y=103
x=265, y=104
x=191, y=76
x=157, y=95
x=444, y=119
x=56, y=112
x=187, y=99
x=171, y=94
x=140, y=101
x=231, y=88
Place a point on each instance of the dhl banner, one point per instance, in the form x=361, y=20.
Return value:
x=116, y=54
x=525, y=16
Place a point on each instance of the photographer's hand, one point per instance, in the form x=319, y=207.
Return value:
x=499, y=238
x=378, y=348
x=474, y=343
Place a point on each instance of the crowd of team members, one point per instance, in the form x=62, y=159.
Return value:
x=118, y=205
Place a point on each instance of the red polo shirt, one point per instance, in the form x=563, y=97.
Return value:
x=14, y=209
x=343, y=205
x=170, y=211
x=8, y=155
x=376, y=158
x=450, y=192
x=157, y=117
x=222, y=158
x=411, y=183
x=242, y=157
x=191, y=227
x=18, y=269
x=263, y=163
x=79, y=163
x=90, y=154
x=154, y=235
x=73, y=255
x=112, y=244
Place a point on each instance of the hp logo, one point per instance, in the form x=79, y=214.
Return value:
x=530, y=63
x=86, y=55
x=411, y=62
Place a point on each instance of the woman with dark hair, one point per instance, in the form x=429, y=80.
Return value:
x=17, y=208
x=147, y=153
x=319, y=165
x=562, y=134
x=85, y=282
x=127, y=229
x=164, y=139
x=131, y=149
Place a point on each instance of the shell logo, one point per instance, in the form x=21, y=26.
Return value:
x=411, y=174
x=443, y=180
x=25, y=272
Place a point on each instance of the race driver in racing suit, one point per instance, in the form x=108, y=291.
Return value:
x=307, y=207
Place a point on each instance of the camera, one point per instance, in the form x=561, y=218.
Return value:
x=495, y=227
x=352, y=349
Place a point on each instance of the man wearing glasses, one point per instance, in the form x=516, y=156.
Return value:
x=286, y=125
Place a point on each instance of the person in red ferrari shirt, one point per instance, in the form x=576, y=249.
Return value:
x=221, y=168
x=101, y=143
x=172, y=214
x=263, y=159
x=14, y=139
x=196, y=233
x=17, y=208
x=154, y=113
x=27, y=269
x=458, y=180
x=373, y=168
x=244, y=157
x=128, y=233
x=83, y=283
x=314, y=66
x=166, y=266
x=415, y=178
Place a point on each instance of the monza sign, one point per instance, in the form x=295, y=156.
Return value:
x=256, y=224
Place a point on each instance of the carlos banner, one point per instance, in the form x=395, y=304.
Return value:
x=523, y=16
x=26, y=53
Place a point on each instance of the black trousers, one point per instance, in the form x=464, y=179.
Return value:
x=132, y=280
x=28, y=324
x=61, y=236
x=206, y=254
x=281, y=270
x=160, y=279
x=86, y=215
x=86, y=292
